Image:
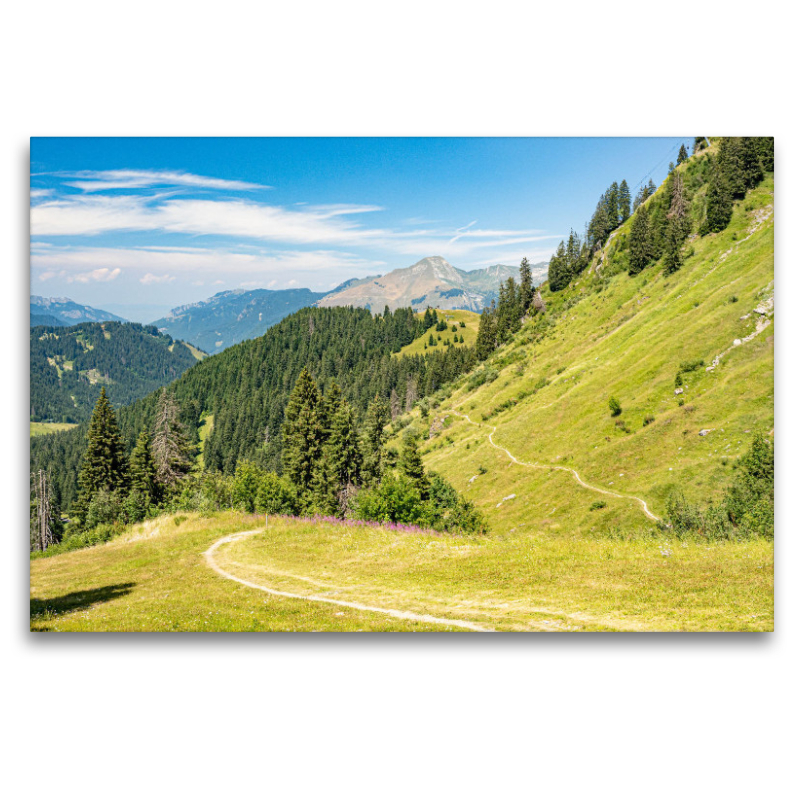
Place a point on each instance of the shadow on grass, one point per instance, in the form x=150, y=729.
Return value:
x=43, y=610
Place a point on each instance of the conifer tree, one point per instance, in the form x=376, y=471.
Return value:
x=104, y=463
x=411, y=465
x=143, y=470
x=640, y=244
x=373, y=440
x=303, y=433
x=624, y=201
x=342, y=449
x=731, y=165
x=323, y=495
x=487, y=338
x=719, y=204
x=329, y=406
x=171, y=449
x=750, y=161
x=525, y=286
x=612, y=206
x=683, y=155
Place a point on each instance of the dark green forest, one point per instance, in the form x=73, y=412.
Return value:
x=70, y=364
x=246, y=388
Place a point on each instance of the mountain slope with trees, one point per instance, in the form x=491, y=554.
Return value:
x=69, y=365
x=228, y=318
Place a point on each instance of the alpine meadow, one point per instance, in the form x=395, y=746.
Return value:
x=380, y=415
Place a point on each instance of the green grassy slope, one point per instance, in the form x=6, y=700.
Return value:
x=624, y=337
x=452, y=317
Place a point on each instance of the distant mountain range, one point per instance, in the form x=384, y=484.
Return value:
x=63, y=311
x=234, y=316
x=231, y=317
x=430, y=282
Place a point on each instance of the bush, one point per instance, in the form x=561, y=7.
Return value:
x=614, y=405
x=246, y=482
x=136, y=506
x=397, y=499
x=105, y=508
x=276, y=495
x=597, y=505
x=647, y=420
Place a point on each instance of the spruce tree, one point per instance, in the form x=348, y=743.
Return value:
x=612, y=206
x=104, y=463
x=624, y=201
x=143, y=470
x=303, y=432
x=373, y=440
x=342, y=448
x=411, y=465
x=525, y=286
x=719, y=204
x=731, y=165
x=750, y=161
x=323, y=495
x=683, y=155
x=171, y=449
x=640, y=244
x=487, y=339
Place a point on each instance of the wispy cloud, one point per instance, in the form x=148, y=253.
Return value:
x=104, y=180
x=100, y=275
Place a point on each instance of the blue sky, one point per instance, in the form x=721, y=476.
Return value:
x=137, y=226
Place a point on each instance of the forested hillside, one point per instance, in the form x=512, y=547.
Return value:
x=70, y=364
x=246, y=387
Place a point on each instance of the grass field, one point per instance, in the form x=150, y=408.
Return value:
x=39, y=428
x=155, y=578
x=469, y=332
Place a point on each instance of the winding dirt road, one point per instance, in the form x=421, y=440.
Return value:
x=391, y=612
x=577, y=477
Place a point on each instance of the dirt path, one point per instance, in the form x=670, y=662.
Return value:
x=577, y=477
x=391, y=612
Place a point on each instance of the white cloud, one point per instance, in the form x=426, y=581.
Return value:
x=150, y=278
x=35, y=193
x=100, y=275
x=97, y=181
x=152, y=264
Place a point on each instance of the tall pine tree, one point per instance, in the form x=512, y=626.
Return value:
x=640, y=246
x=525, y=286
x=373, y=440
x=104, y=463
x=624, y=201
x=303, y=432
x=719, y=204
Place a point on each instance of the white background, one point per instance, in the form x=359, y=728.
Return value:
x=635, y=716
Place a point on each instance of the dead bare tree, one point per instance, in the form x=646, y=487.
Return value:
x=170, y=448
x=42, y=535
